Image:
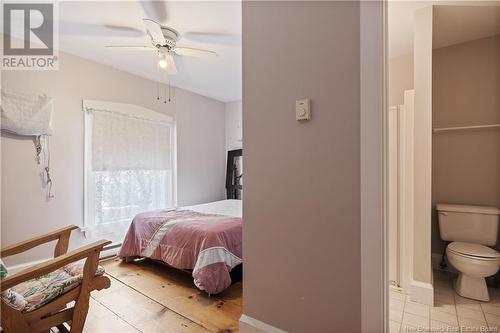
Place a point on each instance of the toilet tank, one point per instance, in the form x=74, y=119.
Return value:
x=471, y=224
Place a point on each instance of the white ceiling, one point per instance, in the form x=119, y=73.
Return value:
x=84, y=30
x=457, y=22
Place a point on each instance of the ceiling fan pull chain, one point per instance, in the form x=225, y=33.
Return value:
x=165, y=101
x=169, y=92
x=157, y=83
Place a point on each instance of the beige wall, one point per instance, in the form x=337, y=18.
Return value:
x=400, y=78
x=302, y=179
x=26, y=213
x=466, y=91
x=201, y=151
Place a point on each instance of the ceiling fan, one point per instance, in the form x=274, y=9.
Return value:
x=164, y=42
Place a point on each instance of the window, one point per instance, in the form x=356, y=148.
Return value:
x=129, y=166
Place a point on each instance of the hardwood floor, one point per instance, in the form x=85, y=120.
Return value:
x=149, y=297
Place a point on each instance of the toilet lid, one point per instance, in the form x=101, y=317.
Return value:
x=475, y=250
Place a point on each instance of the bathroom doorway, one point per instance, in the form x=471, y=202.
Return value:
x=442, y=147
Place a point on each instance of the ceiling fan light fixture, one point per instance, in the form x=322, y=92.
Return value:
x=162, y=62
x=164, y=42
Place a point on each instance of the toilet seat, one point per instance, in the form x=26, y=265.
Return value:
x=473, y=251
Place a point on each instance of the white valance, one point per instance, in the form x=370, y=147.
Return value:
x=26, y=113
x=126, y=142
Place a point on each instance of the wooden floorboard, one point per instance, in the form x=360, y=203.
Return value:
x=101, y=319
x=149, y=297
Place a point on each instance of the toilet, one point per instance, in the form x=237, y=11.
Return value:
x=471, y=230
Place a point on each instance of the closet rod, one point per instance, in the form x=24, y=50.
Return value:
x=444, y=129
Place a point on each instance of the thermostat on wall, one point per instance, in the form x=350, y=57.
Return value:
x=303, y=109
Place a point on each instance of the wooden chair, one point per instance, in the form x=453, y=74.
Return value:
x=56, y=313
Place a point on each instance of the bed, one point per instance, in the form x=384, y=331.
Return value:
x=206, y=238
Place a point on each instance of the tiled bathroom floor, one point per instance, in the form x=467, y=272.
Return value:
x=451, y=312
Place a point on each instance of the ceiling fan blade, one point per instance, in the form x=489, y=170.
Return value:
x=89, y=29
x=125, y=30
x=155, y=9
x=193, y=52
x=154, y=30
x=131, y=47
x=213, y=37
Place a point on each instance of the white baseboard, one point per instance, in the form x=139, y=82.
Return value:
x=16, y=268
x=252, y=325
x=422, y=292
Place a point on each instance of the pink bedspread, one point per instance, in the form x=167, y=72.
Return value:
x=210, y=245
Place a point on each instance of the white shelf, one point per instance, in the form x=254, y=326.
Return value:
x=446, y=129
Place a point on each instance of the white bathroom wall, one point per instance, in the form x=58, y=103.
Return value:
x=234, y=136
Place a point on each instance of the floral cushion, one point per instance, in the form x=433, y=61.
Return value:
x=3, y=270
x=35, y=293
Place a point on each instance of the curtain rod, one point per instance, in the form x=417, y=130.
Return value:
x=445, y=129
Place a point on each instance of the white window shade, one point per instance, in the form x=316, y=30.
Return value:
x=129, y=166
x=122, y=142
